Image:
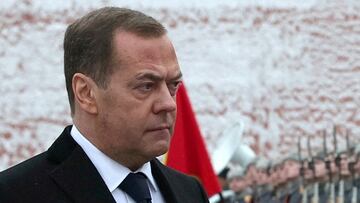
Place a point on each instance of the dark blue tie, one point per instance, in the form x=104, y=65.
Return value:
x=135, y=185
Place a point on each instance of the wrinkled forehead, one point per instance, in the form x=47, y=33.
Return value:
x=129, y=48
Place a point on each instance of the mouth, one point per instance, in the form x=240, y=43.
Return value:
x=159, y=128
x=162, y=132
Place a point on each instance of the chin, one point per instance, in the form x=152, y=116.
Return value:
x=160, y=149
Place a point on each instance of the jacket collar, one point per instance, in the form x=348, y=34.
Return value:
x=163, y=180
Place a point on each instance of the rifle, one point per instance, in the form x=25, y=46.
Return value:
x=326, y=159
x=302, y=173
x=328, y=167
x=337, y=154
x=351, y=164
x=311, y=161
x=302, y=169
x=311, y=158
x=340, y=198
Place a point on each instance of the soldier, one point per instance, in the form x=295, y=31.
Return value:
x=321, y=178
x=309, y=181
x=345, y=183
x=293, y=179
x=263, y=190
x=356, y=175
x=279, y=181
x=331, y=170
x=223, y=179
x=353, y=167
x=240, y=185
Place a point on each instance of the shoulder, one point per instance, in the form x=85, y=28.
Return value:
x=31, y=178
x=24, y=177
x=25, y=170
x=174, y=175
x=179, y=182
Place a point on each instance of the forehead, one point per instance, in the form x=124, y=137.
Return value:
x=130, y=48
x=292, y=163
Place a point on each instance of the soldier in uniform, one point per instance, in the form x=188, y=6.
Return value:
x=263, y=190
x=240, y=185
x=321, y=177
x=280, y=182
x=345, y=182
x=293, y=179
x=356, y=175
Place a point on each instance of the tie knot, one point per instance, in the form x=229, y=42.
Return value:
x=135, y=185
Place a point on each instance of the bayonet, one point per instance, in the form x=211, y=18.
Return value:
x=351, y=165
x=328, y=167
x=340, y=198
x=311, y=158
x=311, y=161
x=335, y=141
x=336, y=152
x=326, y=158
x=302, y=172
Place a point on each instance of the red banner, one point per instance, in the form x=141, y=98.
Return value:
x=187, y=151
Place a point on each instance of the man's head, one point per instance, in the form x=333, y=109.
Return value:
x=89, y=43
x=122, y=76
x=257, y=171
x=320, y=168
x=237, y=180
x=291, y=169
x=344, y=164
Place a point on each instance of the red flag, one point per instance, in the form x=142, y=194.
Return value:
x=187, y=152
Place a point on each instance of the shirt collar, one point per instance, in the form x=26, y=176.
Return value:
x=111, y=171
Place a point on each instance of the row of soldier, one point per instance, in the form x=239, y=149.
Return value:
x=323, y=178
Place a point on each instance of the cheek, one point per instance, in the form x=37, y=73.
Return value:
x=232, y=184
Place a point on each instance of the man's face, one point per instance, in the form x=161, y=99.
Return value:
x=137, y=110
x=330, y=160
x=274, y=176
x=344, y=170
x=252, y=173
x=238, y=184
x=262, y=177
x=292, y=169
x=309, y=173
x=320, y=169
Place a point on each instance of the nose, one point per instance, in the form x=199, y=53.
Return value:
x=165, y=102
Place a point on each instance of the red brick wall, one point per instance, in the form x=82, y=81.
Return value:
x=284, y=71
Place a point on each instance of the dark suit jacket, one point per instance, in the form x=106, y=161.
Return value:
x=64, y=173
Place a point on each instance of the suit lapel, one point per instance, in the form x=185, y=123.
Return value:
x=167, y=190
x=76, y=174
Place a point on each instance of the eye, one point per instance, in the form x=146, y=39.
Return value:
x=146, y=87
x=173, y=87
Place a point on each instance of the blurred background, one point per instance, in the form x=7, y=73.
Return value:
x=283, y=68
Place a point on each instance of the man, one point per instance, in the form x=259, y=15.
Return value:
x=223, y=178
x=121, y=75
x=240, y=185
x=261, y=182
x=293, y=179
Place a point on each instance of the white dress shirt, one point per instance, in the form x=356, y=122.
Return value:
x=114, y=173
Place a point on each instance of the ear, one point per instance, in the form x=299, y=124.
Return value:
x=84, y=93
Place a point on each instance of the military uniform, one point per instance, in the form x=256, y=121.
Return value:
x=294, y=192
x=264, y=194
x=243, y=197
x=282, y=194
x=348, y=186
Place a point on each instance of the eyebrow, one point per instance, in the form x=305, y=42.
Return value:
x=156, y=77
x=177, y=77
